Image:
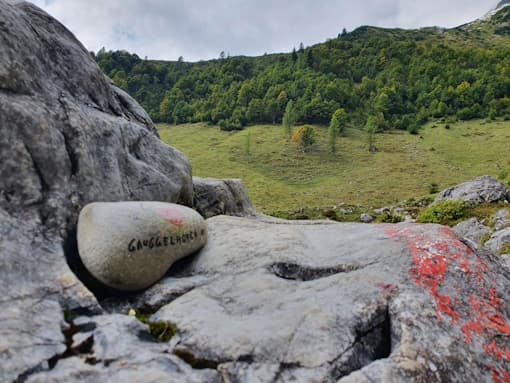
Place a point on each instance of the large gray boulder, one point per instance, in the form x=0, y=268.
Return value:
x=67, y=137
x=279, y=301
x=221, y=197
x=478, y=190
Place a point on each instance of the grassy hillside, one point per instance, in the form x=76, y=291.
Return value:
x=280, y=178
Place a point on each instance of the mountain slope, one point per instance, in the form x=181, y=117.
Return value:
x=399, y=78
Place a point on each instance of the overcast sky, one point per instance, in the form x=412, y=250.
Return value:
x=201, y=29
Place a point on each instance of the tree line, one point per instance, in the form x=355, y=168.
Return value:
x=381, y=78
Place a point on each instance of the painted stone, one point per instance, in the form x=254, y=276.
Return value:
x=130, y=245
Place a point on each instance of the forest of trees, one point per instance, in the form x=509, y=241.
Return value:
x=390, y=78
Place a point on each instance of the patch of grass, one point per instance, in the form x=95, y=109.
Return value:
x=193, y=361
x=505, y=249
x=443, y=212
x=485, y=212
x=485, y=238
x=280, y=178
x=160, y=331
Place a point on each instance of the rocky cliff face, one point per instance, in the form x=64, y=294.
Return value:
x=264, y=301
x=67, y=137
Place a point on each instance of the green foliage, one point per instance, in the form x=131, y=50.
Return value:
x=370, y=129
x=162, y=331
x=433, y=188
x=505, y=249
x=230, y=124
x=280, y=178
x=289, y=118
x=336, y=127
x=401, y=77
x=443, y=212
x=247, y=144
x=387, y=217
x=304, y=136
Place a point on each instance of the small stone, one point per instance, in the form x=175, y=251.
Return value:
x=365, y=218
x=502, y=219
x=472, y=230
x=131, y=313
x=130, y=245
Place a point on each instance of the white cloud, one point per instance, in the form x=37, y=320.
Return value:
x=201, y=29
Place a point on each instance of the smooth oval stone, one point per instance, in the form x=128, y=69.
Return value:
x=130, y=245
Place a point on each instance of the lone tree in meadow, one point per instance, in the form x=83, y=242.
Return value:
x=370, y=129
x=336, y=127
x=304, y=137
x=289, y=118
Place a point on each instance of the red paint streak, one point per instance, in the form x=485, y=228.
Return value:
x=500, y=376
x=468, y=300
x=172, y=216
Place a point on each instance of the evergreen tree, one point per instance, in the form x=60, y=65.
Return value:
x=336, y=127
x=370, y=130
x=289, y=118
x=294, y=55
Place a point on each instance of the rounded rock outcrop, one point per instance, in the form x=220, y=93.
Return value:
x=478, y=190
x=130, y=245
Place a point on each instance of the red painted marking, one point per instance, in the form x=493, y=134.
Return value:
x=172, y=216
x=469, y=301
x=500, y=376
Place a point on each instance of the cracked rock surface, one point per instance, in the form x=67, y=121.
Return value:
x=67, y=137
x=341, y=302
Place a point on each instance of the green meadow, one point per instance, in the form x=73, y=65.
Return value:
x=280, y=177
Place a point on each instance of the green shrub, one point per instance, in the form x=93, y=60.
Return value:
x=230, y=124
x=433, y=188
x=443, y=212
x=304, y=136
x=505, y=249
x=387, y=217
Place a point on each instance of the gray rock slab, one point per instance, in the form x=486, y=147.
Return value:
x=68, y=137
x=327, y=300
x=120, y=349
x=221, y=197
x=478, y=190
x=472, y=230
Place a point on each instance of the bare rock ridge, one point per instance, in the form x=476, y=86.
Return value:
x=265, y=300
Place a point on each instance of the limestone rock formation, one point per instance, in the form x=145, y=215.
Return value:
x=323, y=301
x=502, y=219
x=221, y=196
x=130, y=245
x=472, y=230
x=498, y=240
x=67, y=137
x=478, y=190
